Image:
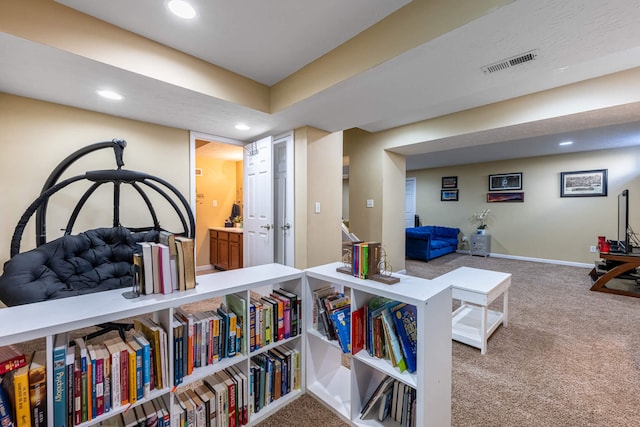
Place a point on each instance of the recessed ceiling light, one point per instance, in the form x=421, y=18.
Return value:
x=566, y=143
x=242, y=126
x=109, y=94
x=182, y=9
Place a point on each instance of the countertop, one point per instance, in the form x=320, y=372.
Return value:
x=230, y=229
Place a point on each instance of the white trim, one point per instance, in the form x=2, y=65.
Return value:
x=530, y=259
x=205, y=267
x=543, y=260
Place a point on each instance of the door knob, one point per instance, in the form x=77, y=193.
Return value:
x=286, y=226
x=268, y=226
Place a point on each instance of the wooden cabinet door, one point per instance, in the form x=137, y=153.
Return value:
x=235, y=250
x=223, y=250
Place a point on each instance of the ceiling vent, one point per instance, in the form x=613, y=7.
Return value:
x=510, y=62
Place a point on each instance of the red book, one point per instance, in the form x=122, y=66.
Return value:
x=11, y=358
x=77, y=392
x=357, y=330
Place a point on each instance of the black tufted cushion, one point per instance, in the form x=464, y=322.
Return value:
x=93, y=261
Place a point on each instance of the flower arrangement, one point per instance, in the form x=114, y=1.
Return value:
x=481, y=216
x=237, y=219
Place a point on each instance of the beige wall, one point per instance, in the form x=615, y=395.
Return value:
x=318, y=178
x=545, y=226
x=221, y=181
x=36, y=136
x=377, y=175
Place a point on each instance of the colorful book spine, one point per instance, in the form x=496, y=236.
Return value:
x=59, y=381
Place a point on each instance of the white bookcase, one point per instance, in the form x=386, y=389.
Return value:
x=346, y=389
x=343, y=389
x=46, y=319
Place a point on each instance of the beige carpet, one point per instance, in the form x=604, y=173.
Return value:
x=569, y=357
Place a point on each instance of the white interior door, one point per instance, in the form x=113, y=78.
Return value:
x=258, y=203
x=410, y=203
x=283, y=194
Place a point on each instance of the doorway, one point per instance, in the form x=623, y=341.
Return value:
x=410, y=203
x=216, y=184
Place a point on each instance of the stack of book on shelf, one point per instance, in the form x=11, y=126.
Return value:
x=222, y=399
x=91, y=379
x=332, y=316
x=386, y=329
x=274, y=317
x=23, y=388
x=165, y=267
x=274, y=374
x=153, y=412
x=365, y=260
x=392, y=399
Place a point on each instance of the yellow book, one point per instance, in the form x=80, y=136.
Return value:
x=133, y=397
x=20, y=378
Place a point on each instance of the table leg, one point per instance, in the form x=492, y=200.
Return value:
x=483, y=329
x=505, y=308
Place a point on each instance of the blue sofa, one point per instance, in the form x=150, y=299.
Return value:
x=430, y=241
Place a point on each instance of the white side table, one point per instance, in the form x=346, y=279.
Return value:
x=473, y=323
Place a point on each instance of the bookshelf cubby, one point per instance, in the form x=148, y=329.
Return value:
x=40, y=322
x=325, y=375
x=346, y=389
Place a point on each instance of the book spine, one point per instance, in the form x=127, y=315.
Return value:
x=99, y=375
x=77, y=393
x=15, y=362
x=59, y=386
x=21, y=404
x=69, y=384
x=5, y=410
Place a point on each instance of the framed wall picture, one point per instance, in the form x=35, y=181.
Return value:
x=505, y=181
x=449, y=182
x=516, y=196
x=591, y=183
x=449, y=195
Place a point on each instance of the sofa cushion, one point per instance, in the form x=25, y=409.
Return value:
x=93, y=261
x=438, y=244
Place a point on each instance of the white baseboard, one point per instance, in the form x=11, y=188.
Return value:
x=205, y=267
x=543, y=260
x=524, y=258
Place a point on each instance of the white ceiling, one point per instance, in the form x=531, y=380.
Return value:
x=268, y=40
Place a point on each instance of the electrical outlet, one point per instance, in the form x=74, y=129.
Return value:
x=592, y=249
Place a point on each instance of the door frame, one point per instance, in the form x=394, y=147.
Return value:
x=193, y=136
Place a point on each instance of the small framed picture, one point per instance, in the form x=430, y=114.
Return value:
x=449, y=182
x=517, y=196
x=449, y=195
x=592, y=183
x=505, y=181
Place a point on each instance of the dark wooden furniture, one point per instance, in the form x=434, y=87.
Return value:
x=621, y=264
x=225, y=249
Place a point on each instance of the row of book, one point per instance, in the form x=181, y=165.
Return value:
x=392, y=399
x=92, y=379
x=387, y=329
x=23, y=388
x=332, y=316
x=205, y=337
x=221, y=400
x=274, y=374
x=166, y=266
x=366, y=258
x=151, y=413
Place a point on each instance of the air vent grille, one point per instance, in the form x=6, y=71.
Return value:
x=510, y=62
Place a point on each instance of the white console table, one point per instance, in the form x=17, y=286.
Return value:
x=473, y=323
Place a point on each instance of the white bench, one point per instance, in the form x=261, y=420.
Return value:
x=473, y=323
